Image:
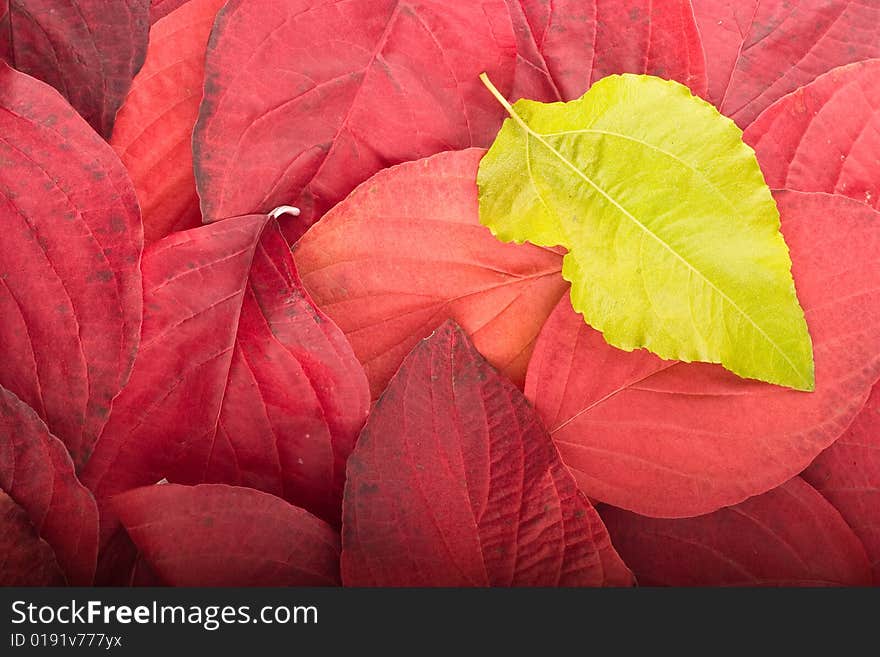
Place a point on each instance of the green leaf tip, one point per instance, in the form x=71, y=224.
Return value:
x=673, y=236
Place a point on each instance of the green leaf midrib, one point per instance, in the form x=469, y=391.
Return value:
x=540, y=139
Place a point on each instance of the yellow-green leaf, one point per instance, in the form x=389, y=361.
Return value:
x=672, y=234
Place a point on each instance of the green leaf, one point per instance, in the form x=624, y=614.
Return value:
x=672, y=234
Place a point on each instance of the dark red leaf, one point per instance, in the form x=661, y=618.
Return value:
x=239, y=378
x=153, y=133
x=27, y=559
x=87, y=49
x=672, y=440
x=217, y=535
x=825, y=137
x=565, y=46
x=757, y=52
x=305, y=99
x=789, y=536
x=406, y=251
x=161, y=8
x=42, y=504
x=70, y=285
x=455, y=482
x=848, y=475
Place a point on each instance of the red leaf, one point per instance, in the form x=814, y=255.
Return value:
x=161, y=8
x=217, y=535
x=406, y=251
x=27, y=559
x=825, y=136
x=87, y=49
x=153, y=133
x=44, y=509
x=284, y=124
x=454, y=481
x=671, y=440
x=565, y=46
x=70, y=286
x=757, y=52
x=848, y=475
x=239, y=379
x=789, y=536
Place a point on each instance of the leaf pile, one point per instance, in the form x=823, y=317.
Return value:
x=582, y=293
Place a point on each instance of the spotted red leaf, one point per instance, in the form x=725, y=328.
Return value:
x=673, y=439
x=217, y=535
x=406, y=251
x=565, y=46
x=239, y=378
x=825, y=137
x=454, y=481
x=848, y=475
x=48, y=520
x=305, y=99
x=757, y=52
x=153, y=133
x=789, y=536
x=70, y=285
x=87, y=49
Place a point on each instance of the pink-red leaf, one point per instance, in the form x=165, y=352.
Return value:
x=848, y=475
x=406, y=251
x=41, y=500
x=217, y=535
x=153, y=133
x=825, y=137
x=239, y=378
x=757, y=52
x=789, y=536
x=565, y=46
x=672, y=439
x=87, y=49
x=70, y=284
x=306, y=99
x=454, y=481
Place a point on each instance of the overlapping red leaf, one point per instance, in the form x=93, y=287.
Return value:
x=282, y=123
x=565, y=46
x=48, y=520
x=87, y=49
x=848, y=475
x=756, y=52
x=218, y=535
x=455, y=482
x=70, y=283
x=789, y=536
x=671, y=440
x=239, y=378
x=153, y=133
x=406, y=251
x=825, y=137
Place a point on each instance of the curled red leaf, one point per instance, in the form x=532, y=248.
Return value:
x=217, y=535
x=455, y=482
